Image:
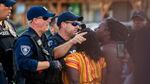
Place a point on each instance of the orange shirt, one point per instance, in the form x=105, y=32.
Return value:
x=90, y=71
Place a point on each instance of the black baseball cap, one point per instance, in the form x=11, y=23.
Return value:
x=37, y=11
x=8, y=3
x=139, y=14
x=68, y=16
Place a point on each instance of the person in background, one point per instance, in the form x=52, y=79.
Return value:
x=138, y=48
x=7, y=37
x=139, y=20
x=87, y=64
x=53, y=25
x=112, y=36
x=141, y=56
x=33, y=60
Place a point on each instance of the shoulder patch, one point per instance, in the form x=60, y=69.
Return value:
x=25, y=49
x=50, y=43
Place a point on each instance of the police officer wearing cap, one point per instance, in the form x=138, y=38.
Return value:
x=63, y=42
x=139, y=20
x=7, y=37
x=31, y=57
x=138, y=47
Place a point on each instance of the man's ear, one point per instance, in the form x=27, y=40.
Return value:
x=63, y=24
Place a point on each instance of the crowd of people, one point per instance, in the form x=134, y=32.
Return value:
x=73, y=53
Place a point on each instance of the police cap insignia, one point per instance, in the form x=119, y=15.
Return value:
x=25, y=49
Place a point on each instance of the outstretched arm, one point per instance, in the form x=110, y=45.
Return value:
x=61, y=50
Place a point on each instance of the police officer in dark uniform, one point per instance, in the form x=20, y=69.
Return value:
x=32, y=58
x=7, y=37
x=63, y=41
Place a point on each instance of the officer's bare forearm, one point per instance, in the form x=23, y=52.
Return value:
x=61, y=50
x=43, y=65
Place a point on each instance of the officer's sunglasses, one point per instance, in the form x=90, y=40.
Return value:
x=7, y=5
x=46, y=18
x=73, y=23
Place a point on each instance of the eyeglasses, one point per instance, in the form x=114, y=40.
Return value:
x=74, y=23
x=7, y=6
x=45, y=18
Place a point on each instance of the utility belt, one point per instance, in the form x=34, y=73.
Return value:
x=28, y=77
x=39, y=77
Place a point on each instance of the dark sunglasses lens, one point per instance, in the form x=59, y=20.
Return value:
x=75, y=24
x=7, y=5
x=45, y=18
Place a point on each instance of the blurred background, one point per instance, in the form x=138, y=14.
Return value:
x=93, y=11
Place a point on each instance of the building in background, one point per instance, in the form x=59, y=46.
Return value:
x=92, y=10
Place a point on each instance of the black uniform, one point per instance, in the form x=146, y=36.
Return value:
x=57, y=40
x=7, y=38
x=53, y=42
x=28, y=51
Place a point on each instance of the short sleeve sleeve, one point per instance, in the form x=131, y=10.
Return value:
x=72, y=61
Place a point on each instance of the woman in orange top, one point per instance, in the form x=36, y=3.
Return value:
x=86, y=65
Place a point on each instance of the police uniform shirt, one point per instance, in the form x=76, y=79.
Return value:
x=24, y=52
x=57, y=40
